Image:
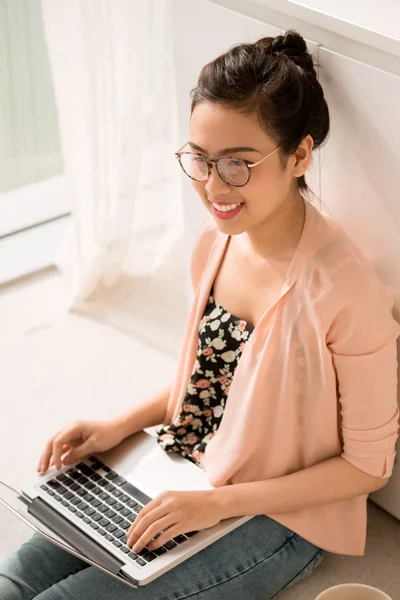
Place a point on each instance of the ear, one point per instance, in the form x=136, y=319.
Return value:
x=302, y=156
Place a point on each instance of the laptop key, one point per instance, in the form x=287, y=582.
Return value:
x=73, y=473
x=117, y=519
x=86, y=520
x=111, y=501
x=106, y=469
x=44, y=487
x=124, y=539
x=90, y=485
x=111, y=475
x=75, y=501
x=74, y=487
x=104, y=496
x=117, y=492
x=62, y=478
x=170, y=544
x=125, y=512
x=117, y=543
x=131, y=503
x=72, y=508
x=160, y=551
x=84, y=469
x=119, y=533
x=58, y=498
x=65, y=503
x=124, y=498
x=125, y=525
x=83, y=480
x=81, y=505
x=89, y=511
x=180, y=538
x=110, y=487
x=118, y=506
x=101, y=531
x=81, y=492
x=111, y=527
x=54, y=484
x=94, y=525
x=133, y=555
x=69, y=495
x=87, y=497
x=103, y=522
x=109, y=537
x=103, y=508
x=97, y=490
x=149, y=556
x=110, y=513
x=119, y=481
x=191, y=533
x=96, y=502
x=62, y=490
x=140, y=561
x=95, y=477
x=97, y=516
x=79, y=514
x=125, y=549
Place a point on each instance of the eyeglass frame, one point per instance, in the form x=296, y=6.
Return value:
x=210, y=161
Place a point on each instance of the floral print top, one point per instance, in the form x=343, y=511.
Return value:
x=221, y=341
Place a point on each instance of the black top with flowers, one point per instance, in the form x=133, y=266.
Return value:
x=221, y=341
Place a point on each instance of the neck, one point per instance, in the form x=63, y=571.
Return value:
x=279, y=236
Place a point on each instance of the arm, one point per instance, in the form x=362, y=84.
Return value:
x=146, y=414
x=362, y=338
x=332, y=480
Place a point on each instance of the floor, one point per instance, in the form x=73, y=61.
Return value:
x=58, y=365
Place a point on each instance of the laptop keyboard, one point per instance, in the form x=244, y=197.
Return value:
x=107, y=503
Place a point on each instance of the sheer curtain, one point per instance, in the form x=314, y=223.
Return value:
x=112, y=69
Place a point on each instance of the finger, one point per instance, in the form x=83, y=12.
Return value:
x=167, y=533
x=70, y=433
x=79, y=452
x=44, y=459
x=139, y=541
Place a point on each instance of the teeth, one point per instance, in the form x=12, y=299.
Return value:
x=226, y=207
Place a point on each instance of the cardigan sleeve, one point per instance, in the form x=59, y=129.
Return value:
x=362, y=338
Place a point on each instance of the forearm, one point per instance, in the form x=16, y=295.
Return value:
x=148, y=413
x=332, y=480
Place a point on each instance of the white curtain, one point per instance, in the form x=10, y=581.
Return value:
x=113, y=77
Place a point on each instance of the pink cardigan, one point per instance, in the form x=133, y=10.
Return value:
x=317, y=378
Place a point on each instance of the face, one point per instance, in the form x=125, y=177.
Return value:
x=270, y=190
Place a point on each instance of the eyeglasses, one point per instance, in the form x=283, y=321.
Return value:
x=232, y=170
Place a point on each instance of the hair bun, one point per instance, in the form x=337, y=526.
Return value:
x=291, y=44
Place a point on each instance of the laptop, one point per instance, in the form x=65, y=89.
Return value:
x=87, y=507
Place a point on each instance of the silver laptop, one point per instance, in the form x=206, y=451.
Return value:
x=87, y=507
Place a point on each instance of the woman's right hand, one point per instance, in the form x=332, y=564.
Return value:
x=79, y=439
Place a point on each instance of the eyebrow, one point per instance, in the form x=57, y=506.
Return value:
x=234, y=149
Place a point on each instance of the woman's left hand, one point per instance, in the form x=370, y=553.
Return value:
x=174, y=513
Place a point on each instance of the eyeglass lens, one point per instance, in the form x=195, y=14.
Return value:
x=232, y=171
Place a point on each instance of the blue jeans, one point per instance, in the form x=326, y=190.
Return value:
x=255, y=561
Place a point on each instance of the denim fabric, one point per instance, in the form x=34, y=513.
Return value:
x=256, y=561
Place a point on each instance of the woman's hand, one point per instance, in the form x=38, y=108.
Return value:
x=174, y=513
x=79, y=439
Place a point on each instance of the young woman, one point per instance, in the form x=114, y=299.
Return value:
x=285, y=390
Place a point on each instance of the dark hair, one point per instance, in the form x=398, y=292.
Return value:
x=274, y=79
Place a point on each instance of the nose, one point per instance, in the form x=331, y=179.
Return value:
x=215, y=185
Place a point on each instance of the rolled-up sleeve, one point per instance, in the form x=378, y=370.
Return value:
x=362, y=338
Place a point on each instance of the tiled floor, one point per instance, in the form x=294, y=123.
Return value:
x=58, y=366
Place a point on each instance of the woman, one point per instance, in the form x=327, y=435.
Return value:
x=283, y=293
